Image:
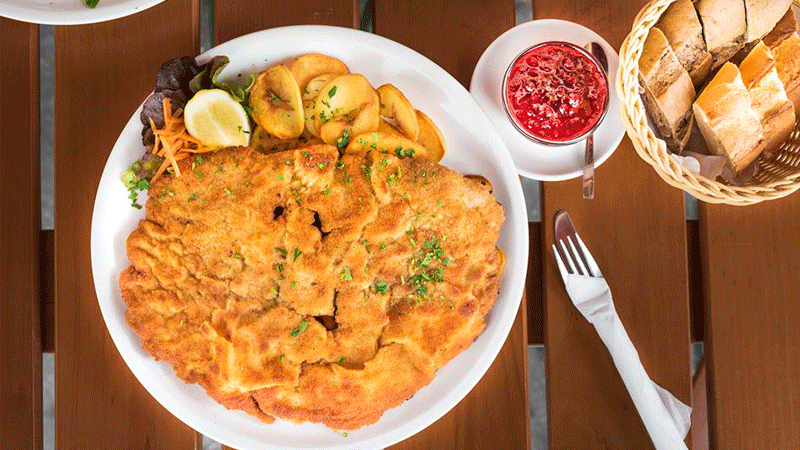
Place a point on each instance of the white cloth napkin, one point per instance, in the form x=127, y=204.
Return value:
x=666, y=418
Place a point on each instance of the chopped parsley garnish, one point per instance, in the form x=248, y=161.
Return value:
x=305, y=153
x=404, y=153
x=92, y=3
x=281, y=177
x=367, y=171
x=227, y=191
x=300, y=328
x=332, y=92
x=219, y=169
x=281, y=250
x=198, y=175
x=340, y=165
x=341, y=360
x=238, y=255
x=296, y=252
x=383, y=245
x=326, y=191
x=282, y=357
x=345, y=139
x=381, y=287
x=294, y=283
x=345, y=275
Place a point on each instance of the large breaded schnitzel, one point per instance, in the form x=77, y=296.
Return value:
x=308, y=286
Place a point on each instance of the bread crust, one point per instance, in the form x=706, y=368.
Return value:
x=724, y=27
x=669, y=90
x=727, y=120
x=681, y=26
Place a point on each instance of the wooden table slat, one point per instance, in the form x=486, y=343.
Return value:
x=495, y=415
x=751, y=264
x=636, y=230
x=103, y=72
x=20, y=342
x=238, y=17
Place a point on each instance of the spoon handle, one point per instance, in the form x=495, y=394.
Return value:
x=588, y=168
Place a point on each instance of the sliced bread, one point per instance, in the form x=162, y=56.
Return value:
x=785, y=27
x=724, y=27
x=669, y=91
x=727, y=120
x=787, y=63
x=762, y=15
x=767, y=97
x=682, y=28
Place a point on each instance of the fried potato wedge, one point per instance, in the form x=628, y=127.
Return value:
x=396, y=107
x=430, y=137
x=311, y=65
x=387, y=127
x=348, y=103
x=383, y=142
x=310, y=98
x=262, y=142
x=276, y=103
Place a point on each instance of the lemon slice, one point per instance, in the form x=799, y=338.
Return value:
x=217, y=119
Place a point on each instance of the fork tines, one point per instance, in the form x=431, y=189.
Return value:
x=572, y=252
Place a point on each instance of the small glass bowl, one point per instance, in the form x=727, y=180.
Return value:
x=523, y=130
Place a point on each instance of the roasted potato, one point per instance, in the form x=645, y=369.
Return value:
x=346, y=106
x=276, y=103
x=310, y=98
x=261, y=141
x=396, y=108
x=430, y=137
x=311, y=65
x=386, y=127
x=383, y=142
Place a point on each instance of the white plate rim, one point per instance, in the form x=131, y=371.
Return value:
x=516, y=255
x=76, y=16
x=613, y=112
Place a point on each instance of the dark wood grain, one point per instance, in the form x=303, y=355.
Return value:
x=751, y=265
x=103, y=72
x=636, y=230
x=454, y=34
x=20, y=344
x=233, y=18
x=47, y=241
x=534, y=289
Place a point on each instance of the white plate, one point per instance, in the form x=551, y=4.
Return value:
x=71, y=12
x=474, y=147
x=531, y=159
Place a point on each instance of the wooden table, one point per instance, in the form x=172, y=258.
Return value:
x=732, y=278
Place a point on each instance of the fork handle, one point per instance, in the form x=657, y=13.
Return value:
x=588, y=168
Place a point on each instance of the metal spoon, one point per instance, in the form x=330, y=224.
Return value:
x=588, y=158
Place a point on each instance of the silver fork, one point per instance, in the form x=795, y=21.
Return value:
x=572, y=252
x=574, y=258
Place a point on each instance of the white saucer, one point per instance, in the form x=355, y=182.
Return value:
x=531, y=159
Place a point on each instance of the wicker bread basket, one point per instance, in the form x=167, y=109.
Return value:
x=777, y=177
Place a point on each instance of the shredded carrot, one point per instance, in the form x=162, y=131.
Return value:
x=173, y=141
